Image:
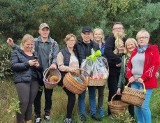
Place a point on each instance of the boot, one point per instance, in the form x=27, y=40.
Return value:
x=29, y=121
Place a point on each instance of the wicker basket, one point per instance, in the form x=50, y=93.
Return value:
x=97, y=82
x=47, y=74
x=73, y=85
x=133, y=96
x=117, y=107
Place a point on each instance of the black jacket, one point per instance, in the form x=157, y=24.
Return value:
x=84, y=49
x=20, y=66
x=112, y=58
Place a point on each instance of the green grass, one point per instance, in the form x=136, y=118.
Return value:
x=7, y=92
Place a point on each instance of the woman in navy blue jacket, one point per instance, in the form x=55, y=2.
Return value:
x=25, y=66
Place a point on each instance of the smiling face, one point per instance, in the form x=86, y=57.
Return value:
x=86, y=37
x=28, y=45
x=71, y=42
x=130, y=45
x=44, y=32
x=98, y=35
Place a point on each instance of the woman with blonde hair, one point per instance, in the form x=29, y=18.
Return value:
x=141, y=68
x=130, y=45
x=25, y=66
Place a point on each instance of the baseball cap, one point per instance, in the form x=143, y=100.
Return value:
x=43, y=25
x=86, y=29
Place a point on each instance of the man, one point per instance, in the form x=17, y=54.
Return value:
x=114, y=59
x=47, y=50
x=83, y=48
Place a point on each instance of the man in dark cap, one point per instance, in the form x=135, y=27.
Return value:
x=83, y=48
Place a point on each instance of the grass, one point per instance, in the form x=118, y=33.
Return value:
x=7, y=92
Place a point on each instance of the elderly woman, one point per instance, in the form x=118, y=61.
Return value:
x=142, y=67
x=25, y=67
x=67, y=62
x=130, y=45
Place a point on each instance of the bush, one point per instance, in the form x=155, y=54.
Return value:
x=5, y=70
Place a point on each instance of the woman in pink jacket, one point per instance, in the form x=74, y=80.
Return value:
x=141, y=68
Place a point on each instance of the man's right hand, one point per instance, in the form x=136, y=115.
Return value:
x=10, y=42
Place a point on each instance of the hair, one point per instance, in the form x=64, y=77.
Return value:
x=102, y=32
x=143, y=31
x=70, y=36
x=25, y=38
x=115, y=23
x=128, y=40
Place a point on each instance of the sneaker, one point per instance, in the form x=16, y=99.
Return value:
x=82, y=117
x=38, y=120
x=68, y=120
x=47, y=116
x=101, y=112
x=95, y=117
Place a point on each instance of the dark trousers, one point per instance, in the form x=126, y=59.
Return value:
x=100, y=95
x=26, y=94
x=112, y=84
x=71, y=102
x=48, y=101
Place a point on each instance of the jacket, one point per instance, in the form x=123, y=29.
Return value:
x=151, y=64
x=20, y=66
x=84, y=49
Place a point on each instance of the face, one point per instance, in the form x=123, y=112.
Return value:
x=118, y=28
x=142, y=39
x=130, y=46
x=71, y=42
x=44, y=32
x=97, y=36
x=28, y=45
x=86, y=37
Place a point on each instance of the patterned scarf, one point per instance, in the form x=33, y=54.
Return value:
x=142, y=49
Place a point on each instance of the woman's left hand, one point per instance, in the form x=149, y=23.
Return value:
x=140, y=80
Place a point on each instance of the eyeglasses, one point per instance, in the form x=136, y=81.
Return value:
x=118, y=28
x=142, y=38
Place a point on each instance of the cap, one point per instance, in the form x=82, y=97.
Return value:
x=86, y=29
x=43, y=25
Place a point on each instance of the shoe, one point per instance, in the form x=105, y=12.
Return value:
x=101, y=112
x=68, y=120
x=47, y=116
x=111, y=116
x=38, y=120
x=82, y=117
x=95, y=117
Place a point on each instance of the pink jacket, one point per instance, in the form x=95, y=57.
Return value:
x=151, y=65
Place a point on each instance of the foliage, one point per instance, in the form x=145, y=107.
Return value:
x=123, y=118
x=5, y=70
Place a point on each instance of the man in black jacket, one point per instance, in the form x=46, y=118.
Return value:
x=114, y=60
x=83, y=48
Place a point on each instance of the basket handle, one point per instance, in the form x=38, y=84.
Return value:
x=114, y=97
x=45, y=73
x=144, y=88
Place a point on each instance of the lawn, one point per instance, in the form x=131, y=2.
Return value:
x=7, y=92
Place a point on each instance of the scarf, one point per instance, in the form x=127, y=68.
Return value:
x=142, y=49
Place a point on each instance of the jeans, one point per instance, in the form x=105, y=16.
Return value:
x=143, y=113
x=92, y=101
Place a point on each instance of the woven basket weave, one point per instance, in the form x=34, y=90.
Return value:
x=97, y=82
x=73, y=85
x=133, y=96
x=117, y=106
x=47, y=74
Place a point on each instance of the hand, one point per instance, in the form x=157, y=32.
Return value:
x=118, y=65
x=157, y=75
x=53, y=66
x=32, y=62
x=10, y=42
x=131, y=79
x=140, y=80
x=37, y=63
x=119, y=91
x=74, y=70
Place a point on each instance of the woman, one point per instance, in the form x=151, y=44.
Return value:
x=68, y=62
x=130, y=45
x=25, y=67
x=141, y=68
x=98, y=36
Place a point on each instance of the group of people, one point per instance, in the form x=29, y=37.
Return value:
x=135, y=62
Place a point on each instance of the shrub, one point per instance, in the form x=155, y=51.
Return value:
x=5, y=70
